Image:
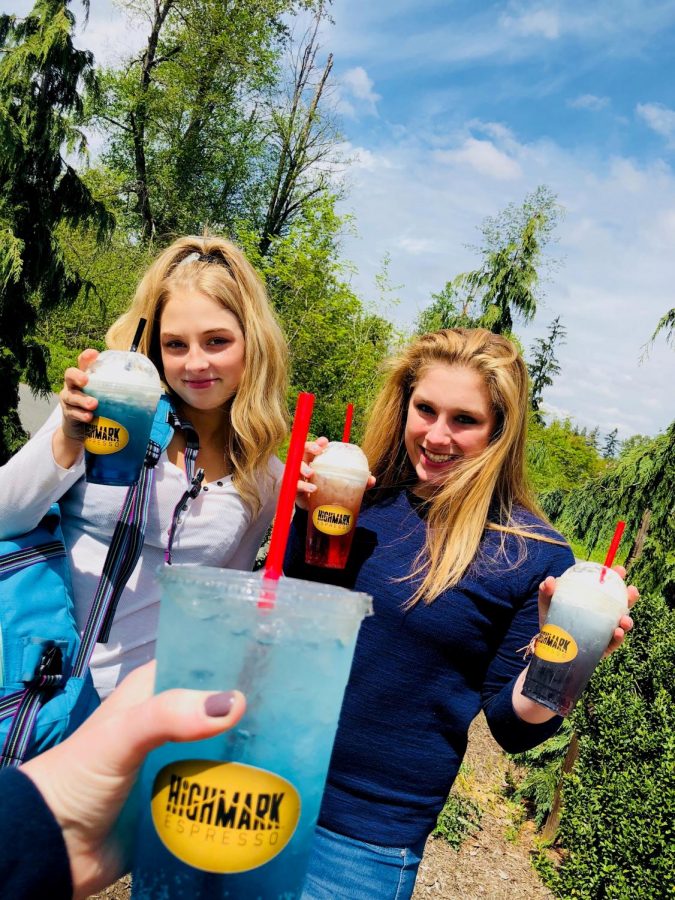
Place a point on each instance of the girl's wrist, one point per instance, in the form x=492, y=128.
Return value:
x=529, y=710
x=66, y=450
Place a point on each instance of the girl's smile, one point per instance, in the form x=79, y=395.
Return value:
x=450, y=416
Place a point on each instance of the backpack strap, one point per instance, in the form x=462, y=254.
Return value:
x=123, y=553
x=25, y=706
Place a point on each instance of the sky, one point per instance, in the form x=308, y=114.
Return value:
x=450, y=110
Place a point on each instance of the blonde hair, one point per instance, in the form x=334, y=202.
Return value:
x=489, y=484
x=258, y=411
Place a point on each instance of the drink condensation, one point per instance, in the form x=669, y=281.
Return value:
x=340, y=476
x=586, y=607
x=234, y=816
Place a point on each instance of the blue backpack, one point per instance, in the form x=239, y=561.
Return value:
x=46, y=689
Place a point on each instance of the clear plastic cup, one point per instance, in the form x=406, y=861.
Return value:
x=340, y=476
x=586, y=607
x=128, y=387
x=234, y=816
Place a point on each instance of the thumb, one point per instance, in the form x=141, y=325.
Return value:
x=121, y=739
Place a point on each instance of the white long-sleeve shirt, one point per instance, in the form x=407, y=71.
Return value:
x=217, y=529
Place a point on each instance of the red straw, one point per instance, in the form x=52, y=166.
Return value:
x=348, y=423
x=613, y=547
x=289, y=487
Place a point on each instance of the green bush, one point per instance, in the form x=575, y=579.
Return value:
x=544, y=767
x=459, y=818
x=617, y=825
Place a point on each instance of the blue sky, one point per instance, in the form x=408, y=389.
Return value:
x=451, y=109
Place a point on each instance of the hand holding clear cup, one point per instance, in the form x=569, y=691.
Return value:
x=77, y=409
x=625, y=624
x=583, y=617
x=339, y=473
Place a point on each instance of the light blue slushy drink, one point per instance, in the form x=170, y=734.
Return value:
x=234, y=816
x=128, y=387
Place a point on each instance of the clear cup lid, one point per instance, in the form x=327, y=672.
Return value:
x=123, y=369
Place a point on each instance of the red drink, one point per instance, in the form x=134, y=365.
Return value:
x=340, y=475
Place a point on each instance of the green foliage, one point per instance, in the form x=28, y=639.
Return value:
x=544, y=365
x=459, y=819
x=544, y=765
x=41, y=75
x=612, y=444
x=666, y=324
x=336, y=343
x=188, y=120
x=619, y=801
x=640, y=480
x=112, y=270
x=558, y=459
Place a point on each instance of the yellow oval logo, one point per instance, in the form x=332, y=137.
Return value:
x=223, y=817
x=105, y=436
x=555, y=645
x=334, y=520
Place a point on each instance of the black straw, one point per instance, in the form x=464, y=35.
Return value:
x=137, y=336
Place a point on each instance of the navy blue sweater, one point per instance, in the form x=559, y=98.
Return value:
x=420, y=677
x=33, y=858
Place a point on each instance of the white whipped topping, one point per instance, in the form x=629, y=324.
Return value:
x=587, y=576
x=341, y=457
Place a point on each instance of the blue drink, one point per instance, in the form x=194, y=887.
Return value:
x=128, y=388
x=234, y=816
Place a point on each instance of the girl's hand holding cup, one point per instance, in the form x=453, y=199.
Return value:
x=76, y=409
x=305, y=486
x=547, y=589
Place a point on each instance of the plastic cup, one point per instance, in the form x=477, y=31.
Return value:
x=127, y=387
x=234, y=816
x=340, y=475
x=586, y=607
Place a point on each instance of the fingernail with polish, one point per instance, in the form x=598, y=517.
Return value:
x=218, y=705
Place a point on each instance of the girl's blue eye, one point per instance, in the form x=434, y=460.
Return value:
x=466, y=420
x=425, y=408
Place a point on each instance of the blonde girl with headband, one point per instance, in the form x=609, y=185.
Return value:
x=213, y=336
x=461, y=563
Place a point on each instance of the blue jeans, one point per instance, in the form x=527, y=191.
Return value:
x=341, y=868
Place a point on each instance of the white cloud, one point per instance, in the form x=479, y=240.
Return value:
x=543, y=22
x=660, y=119
x=357, y=85
x=613, y=284
x=484, y=157
x=362, y=158
x=590, y=102
x=417, y=246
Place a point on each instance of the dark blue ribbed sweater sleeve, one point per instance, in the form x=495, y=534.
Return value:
x=33, y=858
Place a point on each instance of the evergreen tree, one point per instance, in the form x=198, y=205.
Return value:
x=41, y=74
x=544, y=365
x=612, y=443
x=593, y=437
x=667, y=324
x=506, y=285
